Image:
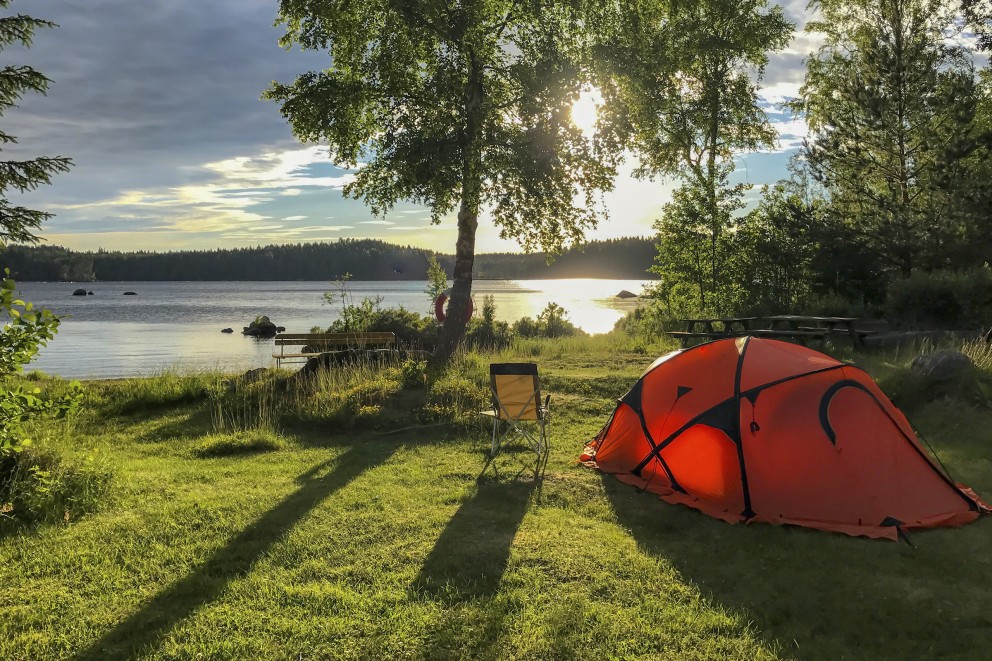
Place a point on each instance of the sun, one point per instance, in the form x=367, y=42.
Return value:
x=585, y=111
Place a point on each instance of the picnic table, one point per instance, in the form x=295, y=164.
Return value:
x=827, y=325
x=713, y=328
x=784, y=326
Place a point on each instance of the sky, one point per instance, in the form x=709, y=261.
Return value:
x=157, y=104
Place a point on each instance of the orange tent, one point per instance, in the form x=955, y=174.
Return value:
x=749, y=429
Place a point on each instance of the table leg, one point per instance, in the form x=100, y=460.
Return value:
x=856, y=340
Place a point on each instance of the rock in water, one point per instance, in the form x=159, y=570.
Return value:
x=130, y=293
x=942, y=366
x=89, y=293
x=227, y=330
x=79, y=292
x=261, y=327
x=626, y=294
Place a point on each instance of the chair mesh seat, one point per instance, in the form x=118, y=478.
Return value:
x=517, y=406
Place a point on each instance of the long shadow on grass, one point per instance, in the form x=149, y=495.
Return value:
x=152, y=623
x=820, y=595
x=470, y=556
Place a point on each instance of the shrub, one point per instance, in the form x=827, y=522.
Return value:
x=942, y=299
x=551, y=323
x=411, y=329
x=413, y=374
x=486, y=333
x=30, y=487
x=38, y=485
x=834, y=305
x=646, y=321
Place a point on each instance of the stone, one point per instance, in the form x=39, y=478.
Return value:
x=626, y=294
x=79, y=292
x=248, y=377
x=227, y=330
x=130, y=293
x=261, y=327
x=89, y=293
x=942, y=366
x=254, y=375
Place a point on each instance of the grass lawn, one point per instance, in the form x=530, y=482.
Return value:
x=316, y=542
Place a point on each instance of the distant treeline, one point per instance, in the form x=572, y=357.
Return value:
x=364, y=259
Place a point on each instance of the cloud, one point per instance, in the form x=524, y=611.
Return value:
x=158, y=105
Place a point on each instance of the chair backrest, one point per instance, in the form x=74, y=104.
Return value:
x=516, y=390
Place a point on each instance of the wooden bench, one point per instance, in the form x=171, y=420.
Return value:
x=318, y=343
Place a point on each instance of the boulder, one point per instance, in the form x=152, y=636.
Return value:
x=254, y=375
x=942, y=366
x=261, y=327
x=227, y=330
x=79, y=292
x=89, y=293
x=248, y=377
x=626, y=294
x=130, y=293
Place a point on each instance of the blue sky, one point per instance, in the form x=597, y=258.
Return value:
x=157, y=103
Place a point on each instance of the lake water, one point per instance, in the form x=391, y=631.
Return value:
x=177, y=324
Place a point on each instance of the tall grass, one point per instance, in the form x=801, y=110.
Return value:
x=588, y=345
x=460, y=391
x=248, y=407
x=342, y=393
x=169, y=388
x=980, y=353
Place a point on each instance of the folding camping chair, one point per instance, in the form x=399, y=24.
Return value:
x=517, y=407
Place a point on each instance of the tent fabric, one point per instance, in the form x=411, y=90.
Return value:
x=758, y=430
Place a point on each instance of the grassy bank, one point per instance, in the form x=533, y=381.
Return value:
x=337, y=531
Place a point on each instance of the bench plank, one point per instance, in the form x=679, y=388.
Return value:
x=327, y=341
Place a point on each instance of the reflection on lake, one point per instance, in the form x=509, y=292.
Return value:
x=177, y=324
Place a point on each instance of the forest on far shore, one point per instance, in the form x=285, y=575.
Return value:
x=363, y=259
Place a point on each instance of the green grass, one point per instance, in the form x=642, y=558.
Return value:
x=318, y=539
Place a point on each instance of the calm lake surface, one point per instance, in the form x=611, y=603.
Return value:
x=176, y=325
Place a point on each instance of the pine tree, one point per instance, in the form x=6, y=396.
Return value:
x=891, y=105
x=18, y=223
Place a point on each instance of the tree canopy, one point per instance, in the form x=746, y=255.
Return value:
x=891, y=105
x=682, y=93
x=454, y=104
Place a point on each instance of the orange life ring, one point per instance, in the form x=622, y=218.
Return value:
x=439, y=306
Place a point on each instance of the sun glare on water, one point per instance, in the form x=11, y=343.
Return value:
x=585, y=111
